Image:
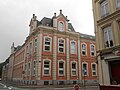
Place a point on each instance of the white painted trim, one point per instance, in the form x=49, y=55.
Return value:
x=75, y=69
x=63, y=67
x=49, y=67
x=50, y=44
x=87, y=68
x=92, y=51
x=75, y=47
x=63, y=45
x=95, y=68
x=83, y=50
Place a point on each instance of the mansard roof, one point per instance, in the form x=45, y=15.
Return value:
x=49, y=22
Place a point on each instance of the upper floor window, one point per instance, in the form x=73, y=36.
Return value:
x=92, y=50
x=94, y=70
x=36, y=45
x=104, y=8
x=61, y=68
x=84, y=49
x=61, y=26
x=84, y=69
x=30, y=48
x=74, y=68
x=47, y=46
x=29, y=68
x=73, y=47
x=34, y=65
x=46, y=67
x=118, y=4
x=108, y=37
x=61, y=45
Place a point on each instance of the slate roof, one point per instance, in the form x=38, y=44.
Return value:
x=87, y=36
x=49, y=22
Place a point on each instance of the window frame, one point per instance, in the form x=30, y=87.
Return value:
x=104, y=11
x=84, y=50
x=95, y=69
x=61, y=68
x=108, y=30
x=91, y=49
x=118, y=4
x=86, y=69
x=73, y=51
x=61, y=46
x=76, y=69
x=47, y=60
x=50, y=45
x=61, y=26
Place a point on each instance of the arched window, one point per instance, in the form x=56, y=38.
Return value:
x=60, y=26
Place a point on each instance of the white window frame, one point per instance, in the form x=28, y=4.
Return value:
x=73, y=51
x=48, y=45
x=104, y=9
x=86, y=68
x=48, y=60
x=84, y=50
x=61, y=26
x=61, y=46
x=118, y=4
x=95, y=69
x=74, y=69
x=91, y=49
x=61, y=68
x=108, y=36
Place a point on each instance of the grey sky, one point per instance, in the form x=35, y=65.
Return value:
x=15, y=16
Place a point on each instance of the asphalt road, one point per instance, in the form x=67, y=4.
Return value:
x=9, y=87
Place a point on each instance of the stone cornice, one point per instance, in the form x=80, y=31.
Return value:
x=109, y=18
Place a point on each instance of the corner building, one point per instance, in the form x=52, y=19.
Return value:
x=107, y=31
x=51, y=54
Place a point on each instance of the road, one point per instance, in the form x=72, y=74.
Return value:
x=9, y=87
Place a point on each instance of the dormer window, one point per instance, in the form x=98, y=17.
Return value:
x=61, y=26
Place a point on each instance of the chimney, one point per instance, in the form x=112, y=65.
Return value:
x=33, y=15
x=60, y=11
x=54, y=14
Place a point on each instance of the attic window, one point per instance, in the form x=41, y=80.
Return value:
x=61, y=26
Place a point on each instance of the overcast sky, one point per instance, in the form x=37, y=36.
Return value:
x=15, y=16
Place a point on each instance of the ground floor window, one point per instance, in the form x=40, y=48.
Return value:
x=46, y=82
x=61, y=82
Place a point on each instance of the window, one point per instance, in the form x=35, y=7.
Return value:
x=25, y=68
x=46, y=67
x=28, y=68
x=61, y=68
x=92, y=50
x=84, y=49
x=60, y=26
x=108, y=38
x=104, y=8
x=84, y=69
x=36, y=45
x=74, y=69
x=73, y=47
x=94, y=70
x=34, y=65
x=61, y=45
x=30, y=48
x=47, y=44
x=118, y=4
